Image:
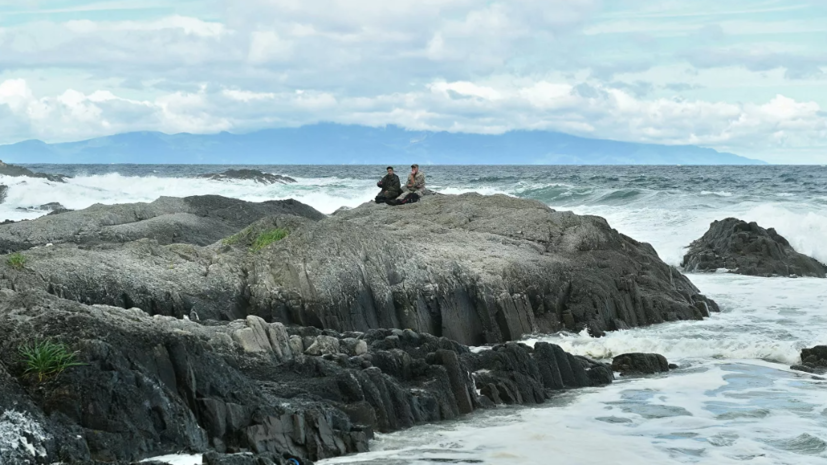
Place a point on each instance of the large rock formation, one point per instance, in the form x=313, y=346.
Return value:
x=249, y=175
x=150, y=386
x=471, y=268
x=477, y=269
x=18, y=171
x=748, y=249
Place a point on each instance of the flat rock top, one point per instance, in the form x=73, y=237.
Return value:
x=747, y=248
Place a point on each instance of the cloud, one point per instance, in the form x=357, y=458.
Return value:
x=491, y=107
x=597, y=68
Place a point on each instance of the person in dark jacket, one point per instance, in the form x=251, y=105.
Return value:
x=390, y=185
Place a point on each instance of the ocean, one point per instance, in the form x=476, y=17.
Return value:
x=733, y=399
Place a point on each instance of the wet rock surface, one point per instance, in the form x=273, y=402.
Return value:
x=151, y=386
x=813, y=360
x=748, y=249
x=4, y=191
x=250, y=175
x=640, y=364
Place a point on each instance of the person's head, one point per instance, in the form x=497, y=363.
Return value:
x=390, y=170
x=414, y=168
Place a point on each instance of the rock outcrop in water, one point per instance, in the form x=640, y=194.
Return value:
x=748, y=249
x=17, y=171
x=471, y=268
x=249, y=175
x=155, y=385
x=4, y=191
x=813, y=360
x=54, y=208
x=640, y=364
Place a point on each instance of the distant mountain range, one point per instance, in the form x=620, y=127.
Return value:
x=340, y=144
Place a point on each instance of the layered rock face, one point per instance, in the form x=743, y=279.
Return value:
x=477, y=269
x=748, y=249
x=156, y=385
x=471, y=268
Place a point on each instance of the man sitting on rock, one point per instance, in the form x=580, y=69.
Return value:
x=414, y=188
x=390, y=186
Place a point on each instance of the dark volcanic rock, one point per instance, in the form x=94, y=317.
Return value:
x=151, y=386
x=477, y=269
x=251, y=175
x=640, y=364
x=199, y=220
x=471, y=268
x=746, y=248
x=813, y=360
x=18, y=171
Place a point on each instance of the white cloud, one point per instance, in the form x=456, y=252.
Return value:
x=489, y=107
x=669, y=72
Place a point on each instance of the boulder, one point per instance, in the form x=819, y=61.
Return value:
x=249, y=175
x=152, y=386
x=813, y=360
x=640, y=364
x=18, y=171
x=748, y=249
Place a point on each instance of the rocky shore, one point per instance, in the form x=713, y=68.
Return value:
x=195, y=335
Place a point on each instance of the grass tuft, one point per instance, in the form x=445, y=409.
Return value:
x=268, y=237
x=17, y=261
x=45, y=359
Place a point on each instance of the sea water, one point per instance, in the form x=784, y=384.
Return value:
x=733, y=399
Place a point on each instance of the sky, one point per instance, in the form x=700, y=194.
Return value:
x=743, y=76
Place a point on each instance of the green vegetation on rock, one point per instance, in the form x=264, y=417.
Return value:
x=16, y=260
x=268, y=237
x=45, y=359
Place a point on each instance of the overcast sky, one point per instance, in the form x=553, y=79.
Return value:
x=746, y=76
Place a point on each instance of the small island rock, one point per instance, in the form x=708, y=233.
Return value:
x=748, y=249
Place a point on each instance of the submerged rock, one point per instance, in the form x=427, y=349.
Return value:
x=151, y=386
x=748, y=249
x=18, y=171
x=640, y=364
x=249, y=175
x=813, y=360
